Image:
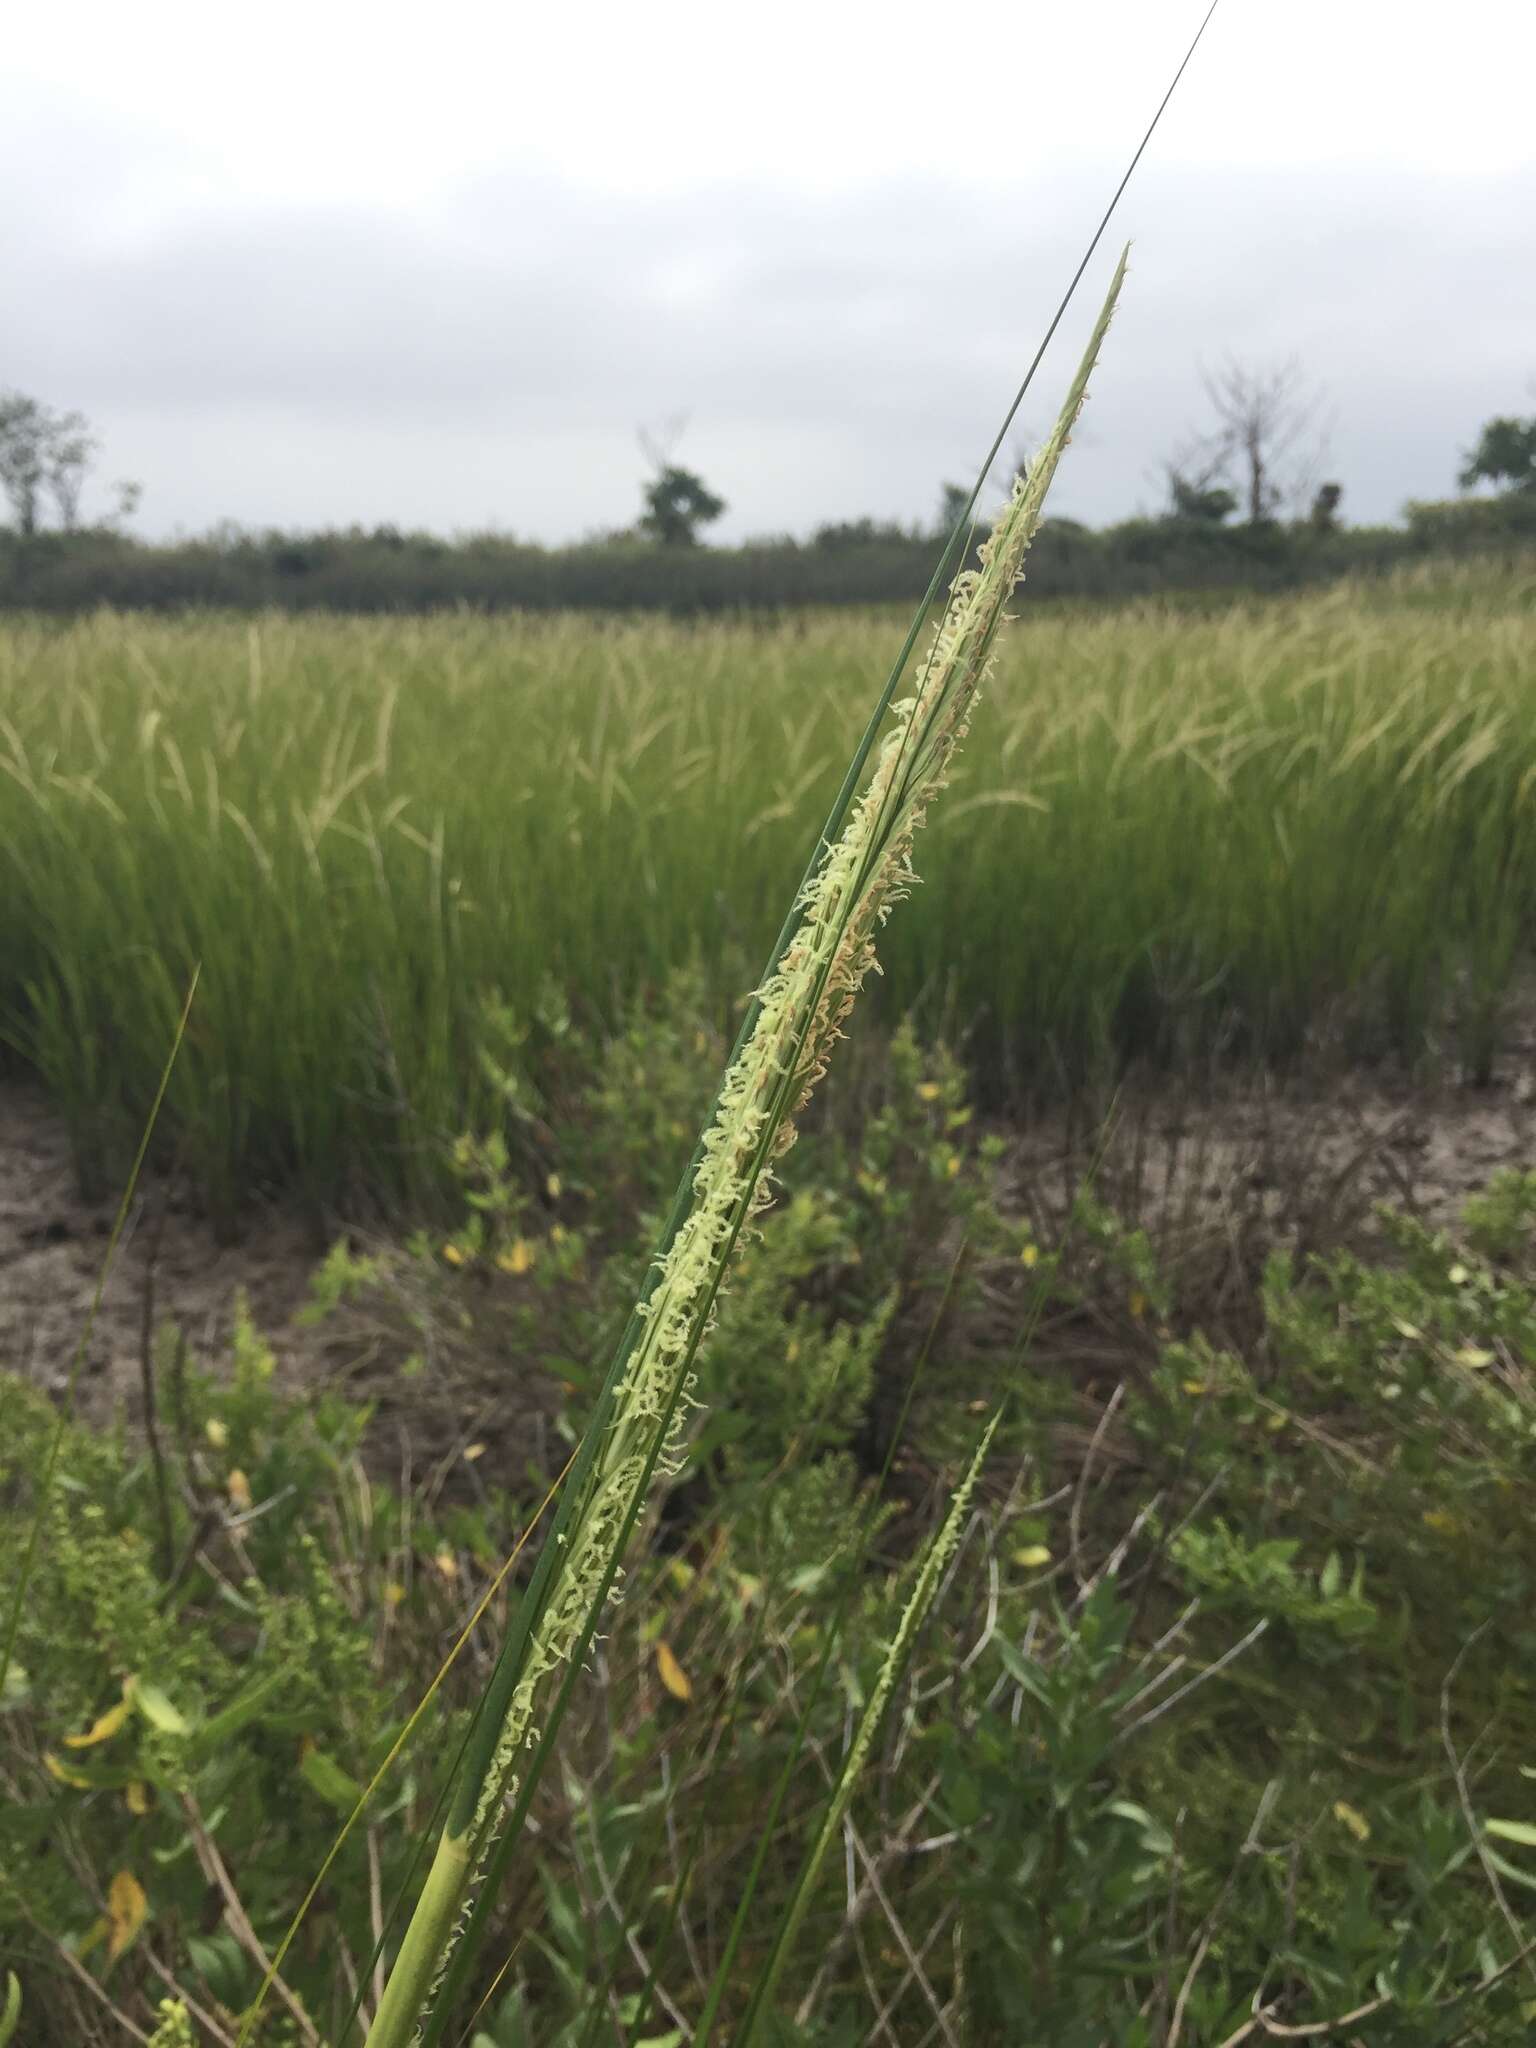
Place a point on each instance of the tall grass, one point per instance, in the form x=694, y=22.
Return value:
x=1201, y=831
x=860, y=869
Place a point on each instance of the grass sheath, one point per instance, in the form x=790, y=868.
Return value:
x=798, y=1017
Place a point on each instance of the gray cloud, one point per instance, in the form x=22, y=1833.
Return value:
x=491, y=358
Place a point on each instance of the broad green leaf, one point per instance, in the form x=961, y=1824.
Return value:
x=157, y=1709
x=324, y=1775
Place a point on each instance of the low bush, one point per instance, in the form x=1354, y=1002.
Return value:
x=1224, y=1709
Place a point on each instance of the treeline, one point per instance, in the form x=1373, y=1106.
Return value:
x=864, y=563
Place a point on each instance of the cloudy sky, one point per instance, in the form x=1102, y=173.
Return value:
x=316, y=262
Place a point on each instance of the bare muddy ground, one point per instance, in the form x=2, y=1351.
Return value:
x=1281, y=1157
x=52, y=1246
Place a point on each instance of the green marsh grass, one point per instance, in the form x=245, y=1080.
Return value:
x=1183, y=832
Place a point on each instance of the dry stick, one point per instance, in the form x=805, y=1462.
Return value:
x=1318, y=2027
x=897, y=1846
x=912, y=1956
x=214, y=1870
x=1075, y=1518
x=938, y=1927
x=94, y=1988
x=1200, y=1678
x=198, y=2011
x=1267, y=1799
x=626, y=1929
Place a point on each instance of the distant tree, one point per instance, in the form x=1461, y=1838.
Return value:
x=23, y=456
x=42, y=451
x=677, y=504
x=953, y=499
x=71, y=450
x=1199, y=499
x=1324, y=515
x=1505, y=455
x=842, y=534
x=677, y=501
x=129, y=496
x=1266, y=445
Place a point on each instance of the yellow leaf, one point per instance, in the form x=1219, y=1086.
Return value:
x=473, y=1451
x=453, y=1255
x=552, y=1187
x=1458, y=1276
x=1030, y=1256
x=1473, y=1357
x=101, y=1729
x=1032, y=1556
x=447, y=1564
x=239, y=1490
x=1138, y=1304
x=952, y=1166
x=672, y=1674
x=215, y=1432
x=1193, y=1386
x=127, y=1910
x=517, y=1258
x=394, y=1593
x=1276, y=1421
x=64, y=1774
x=929, y=1091
x=1351, y=1818
x=1409, y=1330
x=136, y=1798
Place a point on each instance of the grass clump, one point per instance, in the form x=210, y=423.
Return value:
x=1242, y=831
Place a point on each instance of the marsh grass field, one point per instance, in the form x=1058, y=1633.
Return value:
x=1180, y=835
x=1183, y=1701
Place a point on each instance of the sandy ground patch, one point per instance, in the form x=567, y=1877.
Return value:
x=1185, y=1162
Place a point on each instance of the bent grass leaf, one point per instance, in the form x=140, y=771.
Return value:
x=324, y=1775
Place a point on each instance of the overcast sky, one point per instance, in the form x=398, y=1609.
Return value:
x=314, y=263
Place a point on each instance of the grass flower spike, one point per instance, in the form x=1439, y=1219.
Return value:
x=798, y=1017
